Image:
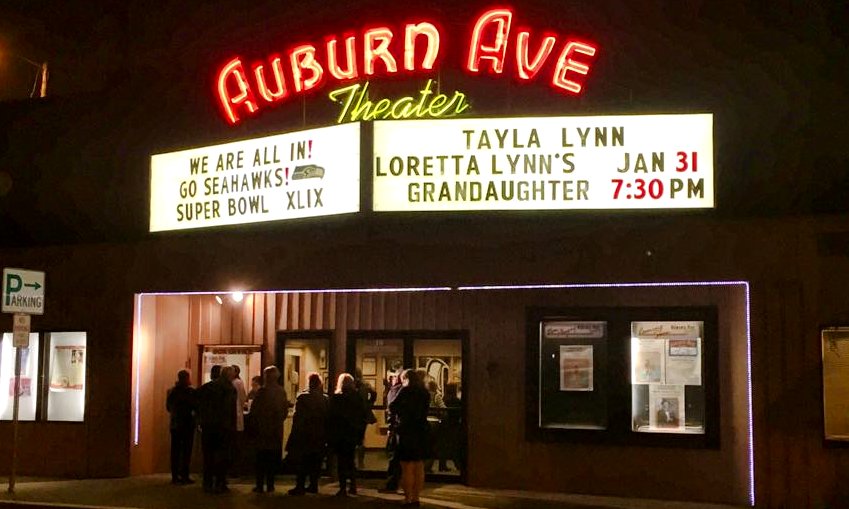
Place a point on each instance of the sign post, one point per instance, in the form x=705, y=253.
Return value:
x=17, y=387
x=23, y=295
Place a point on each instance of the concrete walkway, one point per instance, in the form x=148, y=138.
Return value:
x=155, y=492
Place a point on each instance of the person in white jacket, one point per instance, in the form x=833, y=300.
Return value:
x=241, y=403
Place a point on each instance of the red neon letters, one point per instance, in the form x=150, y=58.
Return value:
x=350, y=70
x=495, y=52
x=234, y=70
x=379, y=50
x=490, y=39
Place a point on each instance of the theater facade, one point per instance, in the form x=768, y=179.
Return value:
x=551, y=220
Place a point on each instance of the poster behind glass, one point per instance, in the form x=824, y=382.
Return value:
x=28, y=384
x=835, y=382
x=249, y=360
x=667, y=391
x=66, y=375
x=572, y=391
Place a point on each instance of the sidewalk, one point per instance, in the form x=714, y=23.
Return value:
x=156, y=492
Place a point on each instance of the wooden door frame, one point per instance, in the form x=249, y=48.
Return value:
x=280, y=350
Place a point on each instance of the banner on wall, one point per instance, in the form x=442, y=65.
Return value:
x=599, y=162
x=301, y=174
x=67, y=368
x=573, y=330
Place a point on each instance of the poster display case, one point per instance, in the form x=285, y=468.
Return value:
x=643, y=376
x=572, y=374
x=247, y=357
x=835, y=384
x=65, y=371
x=667, y=390
x=27, y=385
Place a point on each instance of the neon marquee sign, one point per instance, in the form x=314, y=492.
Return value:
x=492, y=48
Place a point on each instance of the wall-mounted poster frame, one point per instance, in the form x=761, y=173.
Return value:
x=612, y=394
x=65, y=363
x=27, y=384
x=835, y=385
x=248, y=357
x=572, y=374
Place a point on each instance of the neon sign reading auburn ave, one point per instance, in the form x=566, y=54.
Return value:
x=416, y=49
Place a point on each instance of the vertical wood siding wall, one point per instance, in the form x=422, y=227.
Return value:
x=250, y=322
x=496, y=323
x=364, y=310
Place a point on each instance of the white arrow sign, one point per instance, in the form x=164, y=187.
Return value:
x=23, y=291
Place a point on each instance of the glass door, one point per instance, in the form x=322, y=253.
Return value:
x=297, y=355
x=376, y=362
x=441, y=361
x=377, y=357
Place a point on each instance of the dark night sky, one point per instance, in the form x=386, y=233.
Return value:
x=136, y=76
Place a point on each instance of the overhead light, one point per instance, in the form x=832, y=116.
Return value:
x=237, y=296
x=218, y=300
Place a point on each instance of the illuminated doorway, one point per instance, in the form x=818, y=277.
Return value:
x=297, y=355
x=379, y=355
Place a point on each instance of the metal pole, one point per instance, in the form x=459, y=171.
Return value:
x=17, y=386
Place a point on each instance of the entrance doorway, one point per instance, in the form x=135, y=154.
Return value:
x=297, y=354
x=379, y=355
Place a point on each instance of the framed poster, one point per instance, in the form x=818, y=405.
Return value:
x=835, y=383
x=572, y=373
x=667, y=393
x=576, y=367
x=369, y=366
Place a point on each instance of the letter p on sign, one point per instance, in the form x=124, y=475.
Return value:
x=14, y=283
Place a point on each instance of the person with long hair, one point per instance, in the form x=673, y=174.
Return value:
x=307, y=441
x=346, y=423
x=411, y=408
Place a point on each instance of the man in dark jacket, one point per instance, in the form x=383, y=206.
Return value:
x=308, y=440
x=217, y=405
x=181, y=403
x=268, y=411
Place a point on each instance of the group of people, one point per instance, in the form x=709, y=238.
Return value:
x=320, y=425
x=218, y=407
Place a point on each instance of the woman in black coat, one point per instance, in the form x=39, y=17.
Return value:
x=346, y=421
x=307, y=442
x=410, y=408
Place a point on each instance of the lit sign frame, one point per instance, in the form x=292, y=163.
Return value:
x=244, y=89
x=294, y=175
x=544, y=163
